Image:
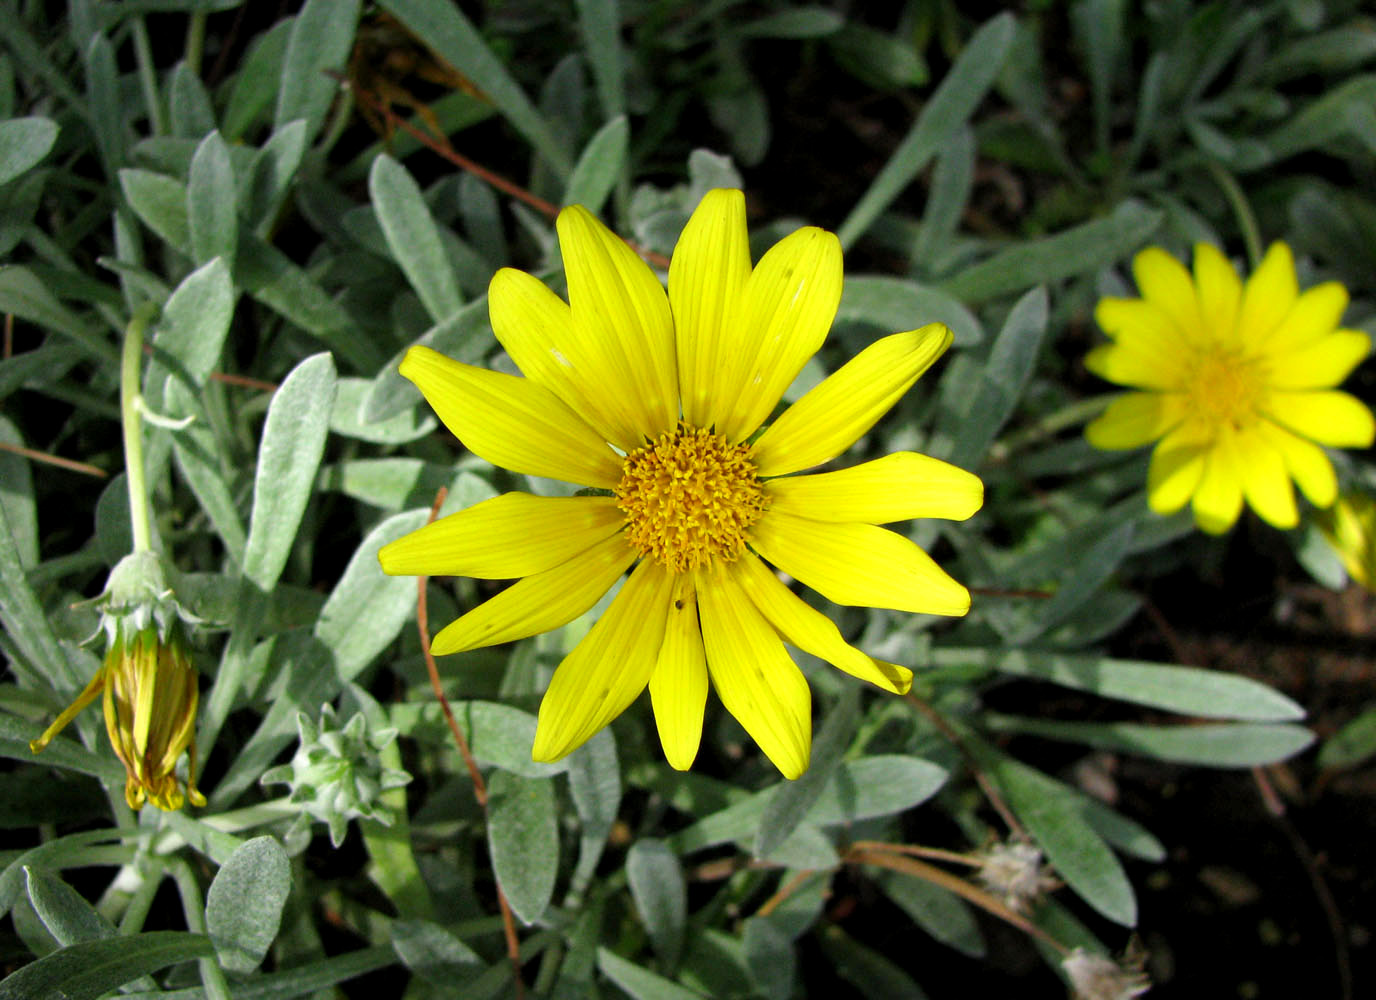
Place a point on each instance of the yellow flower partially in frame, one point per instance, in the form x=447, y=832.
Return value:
x=655, y=401
x=1235, y=383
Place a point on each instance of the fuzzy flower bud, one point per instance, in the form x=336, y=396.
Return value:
x=337, y=774
x=148, y=683
x=1095, y=977
x=1015, y=873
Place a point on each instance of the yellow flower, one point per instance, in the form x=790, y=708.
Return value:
x=1350, y=527
x=655, y=401
x=1235, y=384
x=149, y=684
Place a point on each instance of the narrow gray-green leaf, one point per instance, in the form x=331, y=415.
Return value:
x=1092, y=570
x=1083, y=249
x=413, y=238
x=1352, y=744
x=599, y=22
x=68, y=917
x=23, y=618
x=792, y=801
x=436, y=954
x=639, y=982
x=188, y=104
x=600, y=166
x=595, y=786
x=1055, y=819
x=288, y=455
x=950, y=107
x=1210, y=694
x=16, y=497
x=212, y=198
x=1238, y=744
x=273, y=171
x=661, y=896
x=367, y=609
x=92, y=969
x=25, y=296
x=321, y=39
x=896, y=304
x=451, y=36
x=501, y=735
x=23, y=144
x=937, y=911
x=523, y=839
x=191, y=331
x=160, y=203
x=463, y=336
x=243, y=906
x=769, y=956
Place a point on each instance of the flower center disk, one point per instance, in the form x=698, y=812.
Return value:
x=689, y=497
x=1226, y=389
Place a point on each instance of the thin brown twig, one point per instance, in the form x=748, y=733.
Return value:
x=785, y=890
x=60, y=462
x=1041, y=595
x=9, y=336
x=918, y=851
x=441, y=146
x=990, y=792
x=513, y=944
x=986, y=901
x=244, y=381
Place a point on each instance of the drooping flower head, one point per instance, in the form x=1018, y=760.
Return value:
x=1234, y=382
x=655, y=401
x=149, y=684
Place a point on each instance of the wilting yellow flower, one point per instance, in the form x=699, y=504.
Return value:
x=149, y=685
x=1350, y=527
x=655, y=401
x=1236, y=385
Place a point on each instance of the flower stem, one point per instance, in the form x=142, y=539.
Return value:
x=195, y=41
x=1246, y=218
x=131, y=366
x=148, y=79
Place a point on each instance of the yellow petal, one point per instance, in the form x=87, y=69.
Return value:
x=678, y=686
x=755, y=678
x=1314, y=315
x=540, y=602
x=846, y=404
x=513, y=535
x=621, y=316
x=786, y=310
x=893, y=488
x=512, y=422
x=1217, y=501
x=1218, y=289
x=811, y=631
x=858, y=564
x=1306, y=463
x=1135, y=419
x=707, y=278
x=1268, y=296
x=1136, y=321
x=1327, y=416
x=1164, y=282
x=1265, y=480
x=608, y=669
x=1320, y=364
x=536, y=328
x=1138, y=365
x=1177, y=465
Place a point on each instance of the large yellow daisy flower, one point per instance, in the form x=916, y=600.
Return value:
x=1235, y=385
x=655, y=401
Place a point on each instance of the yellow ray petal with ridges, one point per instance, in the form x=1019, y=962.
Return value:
x=609, y=668
x=540, y=602
x=513, y=535
x=787, y=308
x=833, y=415
x=1330, y=417
x=1321, y=363
x=753, y=675
x=1138, y=322
x=1132, y=363
x=896, y=487
x=1265, y=482
x=1218, y=289
x=1217, y=500
x=536, y=328
x=858, y=564
x=707, y=277
x=512, y=422
x=678, y=686
x=1315, y=314
x=1135, y=419
x=808, y=629
x=1268, y=296
x=620, y=311
x=1306, y=462
x=1177, y=465
x=1164, y=282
